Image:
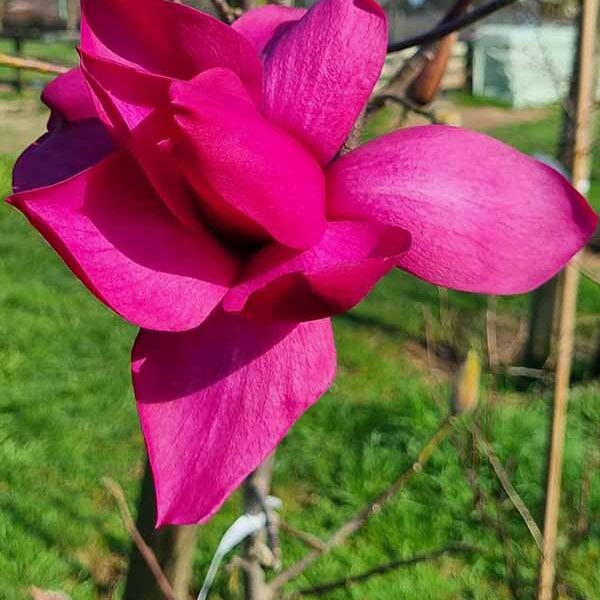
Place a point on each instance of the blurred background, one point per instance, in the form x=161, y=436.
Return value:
x=67, y=415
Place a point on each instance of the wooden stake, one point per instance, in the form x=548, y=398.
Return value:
x=580, y=172
x=31, y=64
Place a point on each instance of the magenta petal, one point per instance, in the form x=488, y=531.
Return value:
x=125, y=96
x=70, y=97
x=214, y=403
x=167, y=38
x=110, y=228
x=133, y=105
x=75, y=139
x=328, y=279
x=483, y=217
x=67, y=149
x=320, y=71
x=247, y=171
x=261, y=24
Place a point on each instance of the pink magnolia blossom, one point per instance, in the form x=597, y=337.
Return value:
x=191, y=178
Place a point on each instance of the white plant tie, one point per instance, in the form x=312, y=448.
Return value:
x=243, y=527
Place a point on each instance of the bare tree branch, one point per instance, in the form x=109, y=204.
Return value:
x=116, y=491
x=426, y=85
x=407, y=104
x=426, y=66
x=359, y=520
x=311, y=540
x=451, y=26
x=507, y=485
x=345, y=582
x=227, y=12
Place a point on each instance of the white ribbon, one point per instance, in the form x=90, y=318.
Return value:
x=243, y=527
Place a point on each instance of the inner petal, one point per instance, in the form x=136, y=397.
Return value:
x=253, y=180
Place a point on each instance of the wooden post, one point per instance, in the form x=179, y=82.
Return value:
x=73, y=15
x=18, y=82
x=173, y=546
x=580, y=169
x=542, y=316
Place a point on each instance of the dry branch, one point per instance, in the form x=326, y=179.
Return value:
x=451, y=26
x=31, y=64
x=311, y=540
x=426, y=85
x=381, y=99
x=346, y=582
x=491, y=336
x=227, y=12
x=115, y=490
x=359, y=520
x=507, y=485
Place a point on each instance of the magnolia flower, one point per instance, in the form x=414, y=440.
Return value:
x=191, y=178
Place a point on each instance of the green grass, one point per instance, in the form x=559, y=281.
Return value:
x=464, y=98
x=67, y=418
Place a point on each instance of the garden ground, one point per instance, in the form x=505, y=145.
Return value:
x=67, y=418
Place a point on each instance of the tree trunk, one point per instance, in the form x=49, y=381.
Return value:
x=541, y=324
x=173, y=546
x=545, y=300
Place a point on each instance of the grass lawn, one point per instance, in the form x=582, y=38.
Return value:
x=67, y=418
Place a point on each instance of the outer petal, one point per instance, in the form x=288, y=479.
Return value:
x=261, y=24
x=75, y=139
x=215, y=401
x=483, y=217
x=167, y=38
x=320, y=71
x=109, y=227
x=67, y=149
x=70, y=97
x=252, y=176
x=328, y=279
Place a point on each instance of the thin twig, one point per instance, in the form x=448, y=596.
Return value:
x=507, y=486
x=451, y=26
x=311, y=540
x=382, y=99
x=589, y=274
x=116, y=491
x=361, y=517
x=428, y=336
x=516, y=371
x=345, y=582
x=491, y=317
x=227, y=12
x=415, y=67
x=31, y=64
x=514, y=348
x=401, y=80
x=512, y=570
